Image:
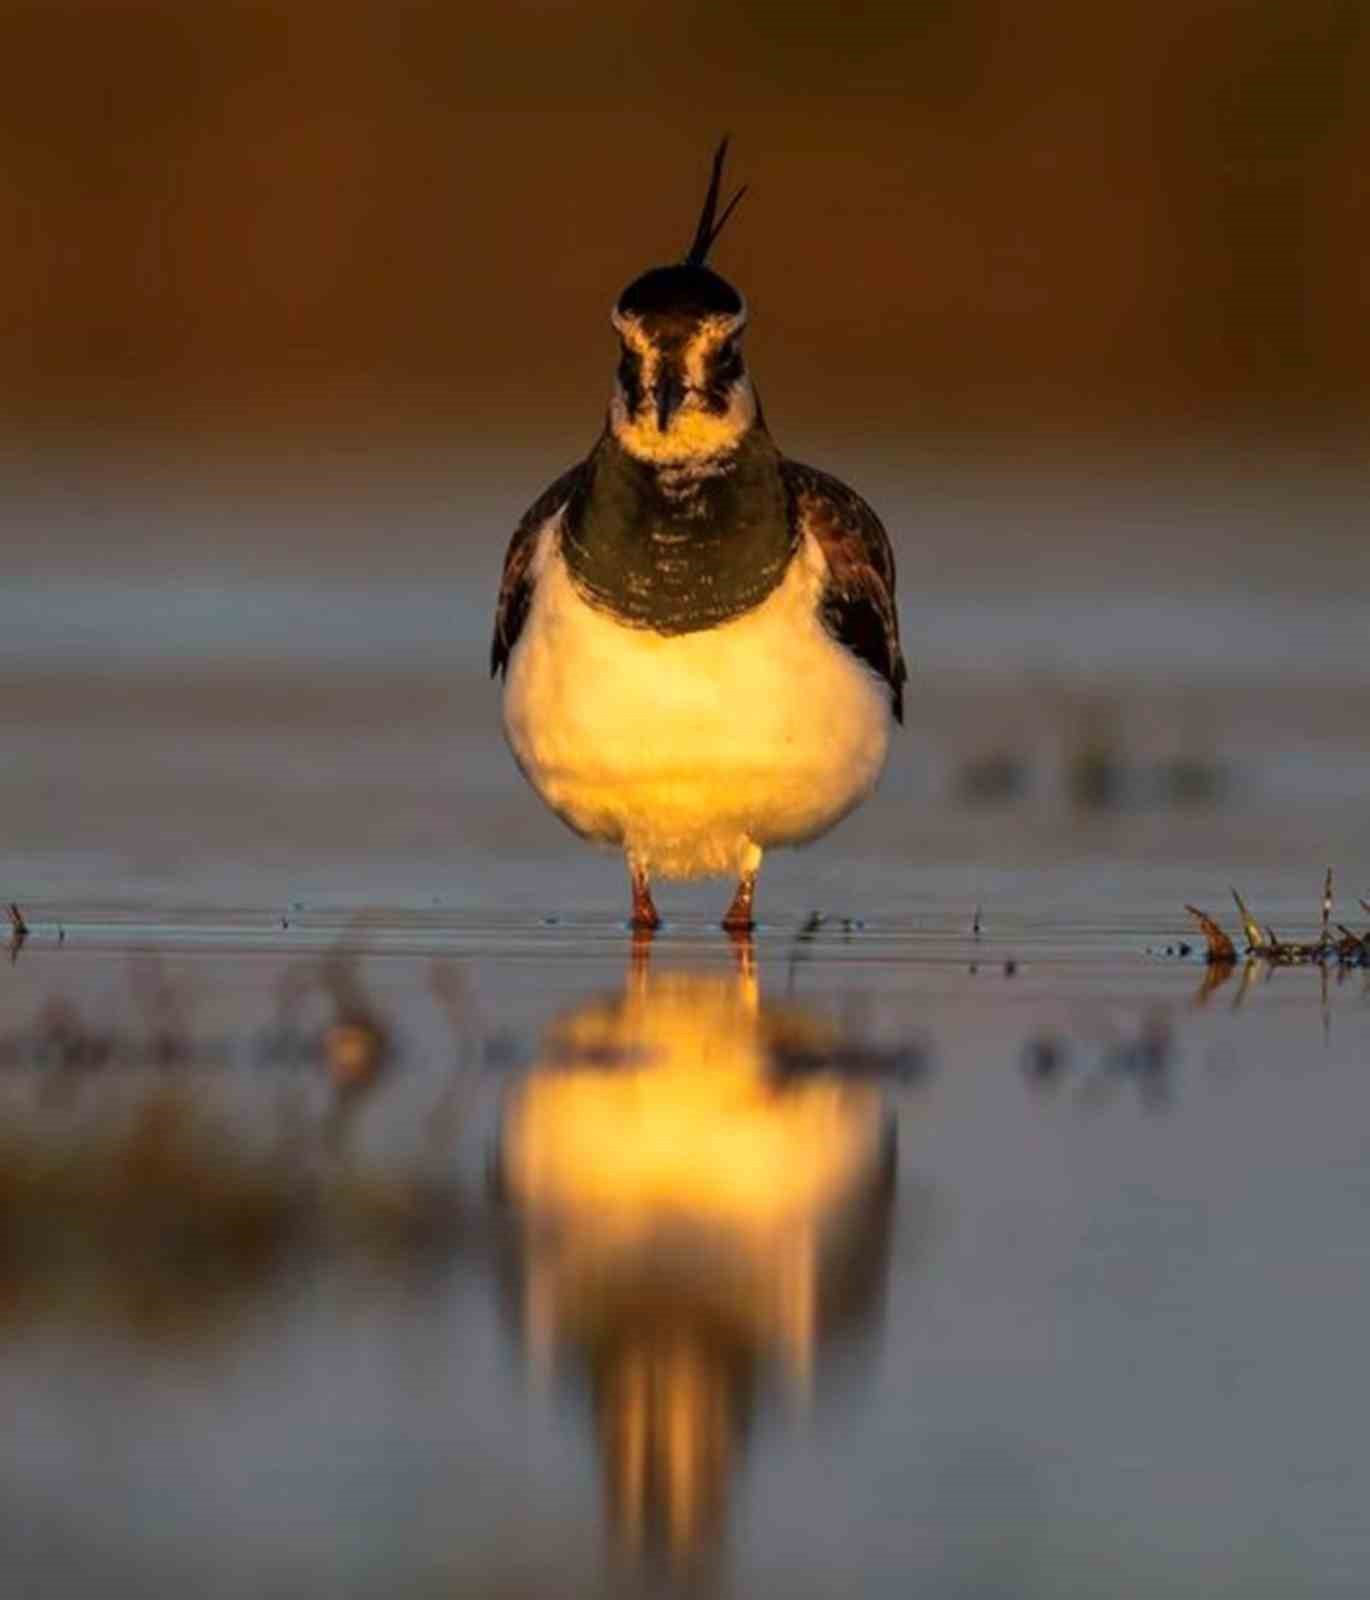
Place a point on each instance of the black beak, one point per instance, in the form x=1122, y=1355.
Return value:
x=669, y=392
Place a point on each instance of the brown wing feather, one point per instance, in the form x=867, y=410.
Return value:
x=516, y=586
x=858, y=604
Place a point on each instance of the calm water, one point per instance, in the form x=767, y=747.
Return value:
x=879, y=1258
x=883, y=1263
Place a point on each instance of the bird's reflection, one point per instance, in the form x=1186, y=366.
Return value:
x=693, y=1219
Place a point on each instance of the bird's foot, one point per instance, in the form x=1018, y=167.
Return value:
x=645, y=917
x=744, y=953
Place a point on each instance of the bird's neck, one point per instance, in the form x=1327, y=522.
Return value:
x=681, y=546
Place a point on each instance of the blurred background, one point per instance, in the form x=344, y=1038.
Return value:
x=306, y=222
x=303, y=304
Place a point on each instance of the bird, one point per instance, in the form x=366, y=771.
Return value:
x=697, y=635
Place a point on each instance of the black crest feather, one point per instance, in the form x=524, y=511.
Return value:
x=709, y=229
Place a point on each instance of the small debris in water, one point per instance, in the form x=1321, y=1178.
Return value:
x=1220, y=947
x=1147, y=1059
x=1250, y=929
x=1044, y=1056
x=1350, y=950
x=975, y=924
x=1010, y=967
x=812, y=923
x=19, y=931
x=1144, y=1059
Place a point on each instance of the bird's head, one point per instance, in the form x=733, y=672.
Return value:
x=682, y=391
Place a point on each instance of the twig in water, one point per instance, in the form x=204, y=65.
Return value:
x=19, y=931
x=1266, y=946
x=1220, y=947
x=1250, y=927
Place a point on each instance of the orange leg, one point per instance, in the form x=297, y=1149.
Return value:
x=744, y=952
x=738, y=917
x=639, y=961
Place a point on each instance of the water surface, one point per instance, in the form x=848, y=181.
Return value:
x=377, y=1219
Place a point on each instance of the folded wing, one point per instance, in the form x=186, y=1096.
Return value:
x=858, y=602
x=516, y=586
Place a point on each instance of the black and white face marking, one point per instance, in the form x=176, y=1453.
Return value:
x=681, y=394
x=630, y=387
x=724, y=369
x=682, y=391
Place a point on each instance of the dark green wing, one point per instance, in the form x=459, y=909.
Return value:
x=858, y=603
x=516, y=586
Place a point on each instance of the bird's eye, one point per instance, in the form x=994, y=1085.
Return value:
x=727, y=362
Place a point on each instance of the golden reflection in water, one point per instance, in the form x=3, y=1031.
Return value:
x=692, y=1218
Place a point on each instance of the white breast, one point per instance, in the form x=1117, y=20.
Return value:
x=693, y=751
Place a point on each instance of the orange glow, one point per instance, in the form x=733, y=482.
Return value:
x=688, y=1214
x=686, y=1122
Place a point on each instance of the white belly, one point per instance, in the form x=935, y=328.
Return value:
x=696, y=751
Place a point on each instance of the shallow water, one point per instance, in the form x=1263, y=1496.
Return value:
x=882, y=1257
x=1025, y=1263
